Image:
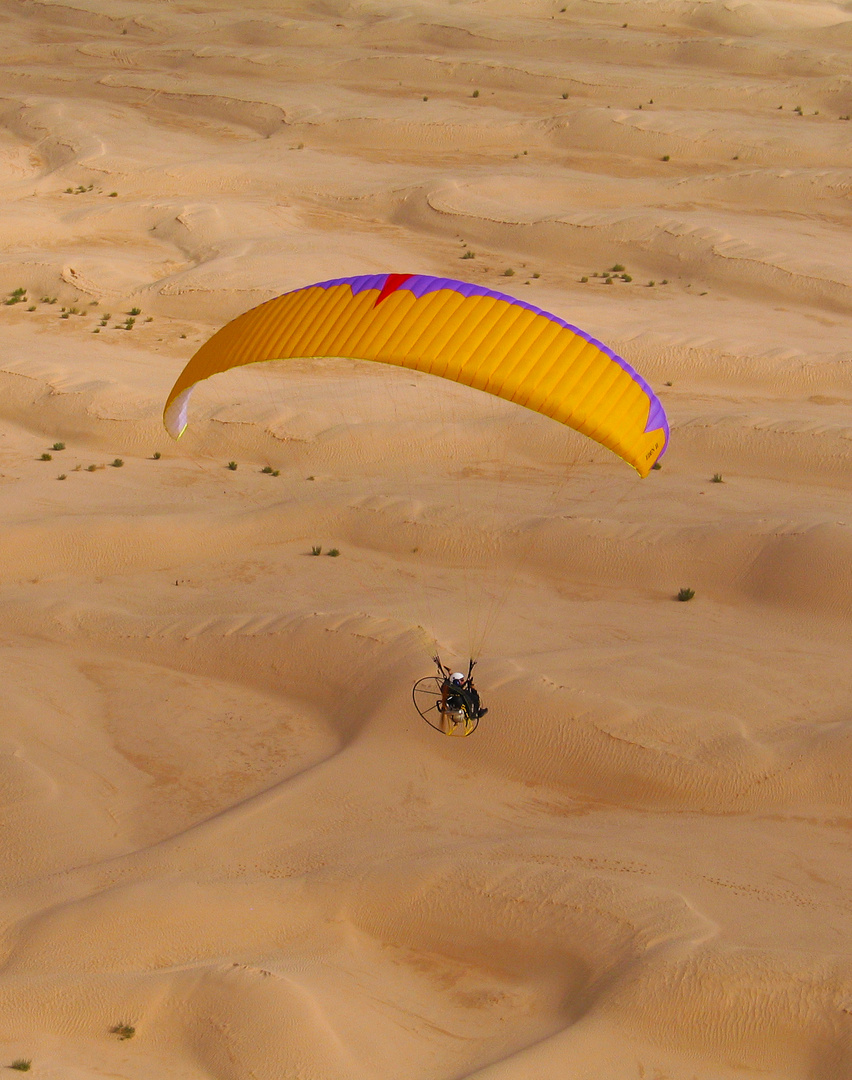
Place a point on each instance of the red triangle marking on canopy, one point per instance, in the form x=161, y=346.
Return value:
x=392, y=283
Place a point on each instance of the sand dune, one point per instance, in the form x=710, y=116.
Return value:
x=223, y=824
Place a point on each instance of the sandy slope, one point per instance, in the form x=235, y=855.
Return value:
x=222, y=822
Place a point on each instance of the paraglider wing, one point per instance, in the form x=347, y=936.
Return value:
x=455, y=330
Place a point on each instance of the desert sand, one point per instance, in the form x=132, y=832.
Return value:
x=223, y=823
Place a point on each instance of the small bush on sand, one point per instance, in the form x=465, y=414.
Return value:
x=333, y=552
x=475, y=93
x=22, y=1065
x=583, y=280
x=91, y=468
x=123, y=1031
x=276, y=472
x=316, y=550
x=135, y=311
x=232, y=465
x=656, y=466
x=617, y=269
x=509, y=272
x=62, y=476
x=686, y=594
x=156, y=455
x=266, y=469
x=58, y=446
x=468, y=255
x=717, y=478
x=117, y=463
x=47, y=457
x=665, y=157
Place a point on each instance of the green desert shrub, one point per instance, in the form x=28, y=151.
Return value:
x=686, y=594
